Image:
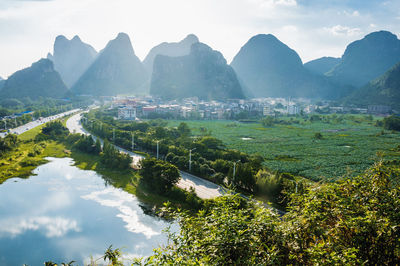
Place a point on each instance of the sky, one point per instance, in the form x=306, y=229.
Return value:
x=313, y=28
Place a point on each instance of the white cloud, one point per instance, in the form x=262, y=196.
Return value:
x=286, y=2
x=354, y=13
x=343, y=30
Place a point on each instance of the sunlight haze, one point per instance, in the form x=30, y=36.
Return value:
x=312, y=28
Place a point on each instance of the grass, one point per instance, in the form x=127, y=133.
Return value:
x=347, y=147
x=21, y=163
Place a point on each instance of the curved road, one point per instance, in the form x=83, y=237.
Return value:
x=203, y=188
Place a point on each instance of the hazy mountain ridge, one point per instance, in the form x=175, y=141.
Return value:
x=173, y=49
x=116, y=70
x=264, y=67
x=322, y=65
x=39, y=80
x=367, y=59
x=384, y=90
x=71, y=58
x=203, y=73
x=269, y=68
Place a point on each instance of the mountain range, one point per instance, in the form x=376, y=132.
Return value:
x=116, y=70
x=39, y=80
x=264, y=67
x=71, y=58
x=202, y=73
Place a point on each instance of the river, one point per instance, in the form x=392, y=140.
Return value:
x=63, y=213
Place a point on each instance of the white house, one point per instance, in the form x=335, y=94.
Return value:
x=127, y=113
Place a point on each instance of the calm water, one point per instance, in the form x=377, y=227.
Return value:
x=65, y=213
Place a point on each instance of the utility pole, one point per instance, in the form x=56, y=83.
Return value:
x=133, y=141
x=190, y=159
x=157, y=148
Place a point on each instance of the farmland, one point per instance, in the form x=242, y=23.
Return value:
x=346, y=144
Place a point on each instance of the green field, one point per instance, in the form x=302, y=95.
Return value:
x=348, y=146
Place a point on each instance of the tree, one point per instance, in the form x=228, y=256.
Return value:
x=228, y=231
x=268, y=121
x=184, y=129
x=392, y=123
x=244, y=178
x=352, y=222
x=112, y=158
x=55, y=130
x=8, y=143
x=158, y=175
x=113, y=256
x=211, y=142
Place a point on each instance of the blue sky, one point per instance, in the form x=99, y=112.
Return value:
x=313, y=28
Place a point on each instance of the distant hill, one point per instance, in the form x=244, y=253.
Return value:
x=322, y=65
x=71, y=58
x=367, y=59
x=203, y=73
x=39, y=80
x=170, y=49
x=384, y=90
x=116, y=70
x=269, y=68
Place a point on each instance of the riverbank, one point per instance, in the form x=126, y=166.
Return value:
x=29, y=154
x=21, y=161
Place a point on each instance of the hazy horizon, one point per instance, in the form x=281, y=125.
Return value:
x=312, y=28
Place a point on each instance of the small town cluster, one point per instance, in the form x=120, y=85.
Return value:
x=132, y=108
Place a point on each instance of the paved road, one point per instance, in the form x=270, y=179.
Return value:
x=203, y=188
x=33, y=124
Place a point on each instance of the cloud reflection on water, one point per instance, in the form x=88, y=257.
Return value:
x=49, y=226
x=126, y=204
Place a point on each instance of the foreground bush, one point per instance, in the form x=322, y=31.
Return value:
x=354, y=221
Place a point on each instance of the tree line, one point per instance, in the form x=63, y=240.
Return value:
x=204, y=155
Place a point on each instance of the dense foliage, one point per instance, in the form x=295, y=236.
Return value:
x=88, y=145
x=354, y=221
x=8, y=143
x=112, y=158
x=159, y=176
x=209, y=157
x=53, y=130
x=392, y=123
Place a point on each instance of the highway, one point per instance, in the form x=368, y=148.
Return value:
x=33, y=124
x=203, y=188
